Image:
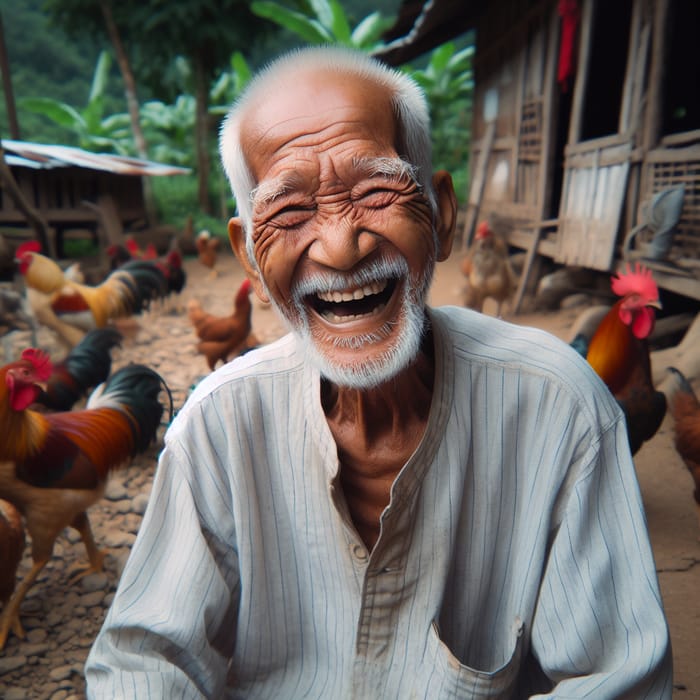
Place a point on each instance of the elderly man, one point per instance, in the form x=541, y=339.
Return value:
x=392, y=501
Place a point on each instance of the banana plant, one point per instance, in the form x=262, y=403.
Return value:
x=326, y=23
x=229, y=85
x=94, y=131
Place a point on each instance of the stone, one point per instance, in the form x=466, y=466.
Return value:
x=10, y=663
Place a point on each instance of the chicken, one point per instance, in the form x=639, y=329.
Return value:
x=11, y=550
x=88, y=364
x=173, y=271
x=138, y=253
x=208, y=247
x=488, y=270
x=71, y=309
x=685, y=409
x=170, y=264
x=619, y=353
x=117, y=254
x=54, y=466
x=15, y=315
x=224, y=337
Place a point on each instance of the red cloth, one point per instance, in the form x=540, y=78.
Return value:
x=570, y=16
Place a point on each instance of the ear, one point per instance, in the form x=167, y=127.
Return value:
x=446, y=218
x=236, y=234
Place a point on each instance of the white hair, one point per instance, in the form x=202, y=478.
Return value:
x=407, y=98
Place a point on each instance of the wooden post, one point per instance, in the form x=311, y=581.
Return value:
x=35, y=220
x=476, y=191
x=7, y=85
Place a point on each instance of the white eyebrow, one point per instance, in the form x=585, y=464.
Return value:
x=381, y=165
x=267, y=192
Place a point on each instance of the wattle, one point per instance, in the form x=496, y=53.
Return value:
x=643, y=323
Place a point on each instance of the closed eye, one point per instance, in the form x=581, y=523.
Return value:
x=377, y=198
x=291, y=216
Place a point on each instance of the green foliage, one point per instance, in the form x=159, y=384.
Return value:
x=325, y=22
x=448, y=83
x=229, y=85
x=94, y=131
x=176, y=198
x=44, y=63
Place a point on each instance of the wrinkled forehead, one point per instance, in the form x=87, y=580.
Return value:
x=315, y=109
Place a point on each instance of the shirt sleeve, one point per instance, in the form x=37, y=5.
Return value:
x=599, y=628
x=170, y=630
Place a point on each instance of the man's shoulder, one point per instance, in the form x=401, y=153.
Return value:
x=492, y=338
x=277, y=362
x=481, y=341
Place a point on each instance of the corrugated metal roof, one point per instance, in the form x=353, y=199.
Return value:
x=41, y=155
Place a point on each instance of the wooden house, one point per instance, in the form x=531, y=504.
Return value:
x=586, y=127
x=76, y=190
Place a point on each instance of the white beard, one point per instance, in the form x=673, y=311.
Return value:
x=365, y=373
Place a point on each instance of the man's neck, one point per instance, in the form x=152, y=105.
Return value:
x=376, y=431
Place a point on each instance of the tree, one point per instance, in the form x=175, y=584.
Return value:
x=205, y=32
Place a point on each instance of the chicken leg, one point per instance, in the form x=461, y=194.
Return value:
x=10, y=614
x=95, y=556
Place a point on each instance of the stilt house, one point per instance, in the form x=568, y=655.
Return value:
x=586, y=128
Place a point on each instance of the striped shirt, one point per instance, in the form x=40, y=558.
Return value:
x=513, y=558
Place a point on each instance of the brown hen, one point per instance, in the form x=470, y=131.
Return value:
x=224, y=337
x=208, y=247
x=685, y=409
x=488, y=270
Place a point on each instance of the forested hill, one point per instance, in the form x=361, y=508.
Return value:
x=44, y=62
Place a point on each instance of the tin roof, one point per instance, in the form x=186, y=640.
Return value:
x=41, y=155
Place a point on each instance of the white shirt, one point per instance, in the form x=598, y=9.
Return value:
x=513, y=557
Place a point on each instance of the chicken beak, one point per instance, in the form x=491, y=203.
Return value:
x=656, y=304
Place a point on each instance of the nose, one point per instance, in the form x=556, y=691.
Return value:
x=341, y=245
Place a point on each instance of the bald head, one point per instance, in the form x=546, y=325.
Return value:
x=289, y=89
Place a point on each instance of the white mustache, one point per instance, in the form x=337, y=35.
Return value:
x=374, y=273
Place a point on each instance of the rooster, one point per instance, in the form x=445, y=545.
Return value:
x=138, y=253
x=11, y=550
x=224, y=337
x=685, y=409
x=488, y=270
x=173, y=271
x=208, y=250
x=170, y=264
x=53, y=466
x=86, y=365
x=71, y=308
x=619, y=353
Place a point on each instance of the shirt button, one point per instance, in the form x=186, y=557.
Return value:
x=359, y=552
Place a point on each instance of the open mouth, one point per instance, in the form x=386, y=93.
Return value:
x=350, y=305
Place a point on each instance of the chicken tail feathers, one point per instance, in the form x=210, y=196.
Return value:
x=682, y=382
x=87, y=365
x=135, y=390
x=148, y=283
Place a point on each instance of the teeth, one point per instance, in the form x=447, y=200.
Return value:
x=334, y=318
x=367, y=290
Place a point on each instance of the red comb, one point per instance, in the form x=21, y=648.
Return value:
x=28, y=247
x=41, y=362
x=637, y=281
x=482, y=230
